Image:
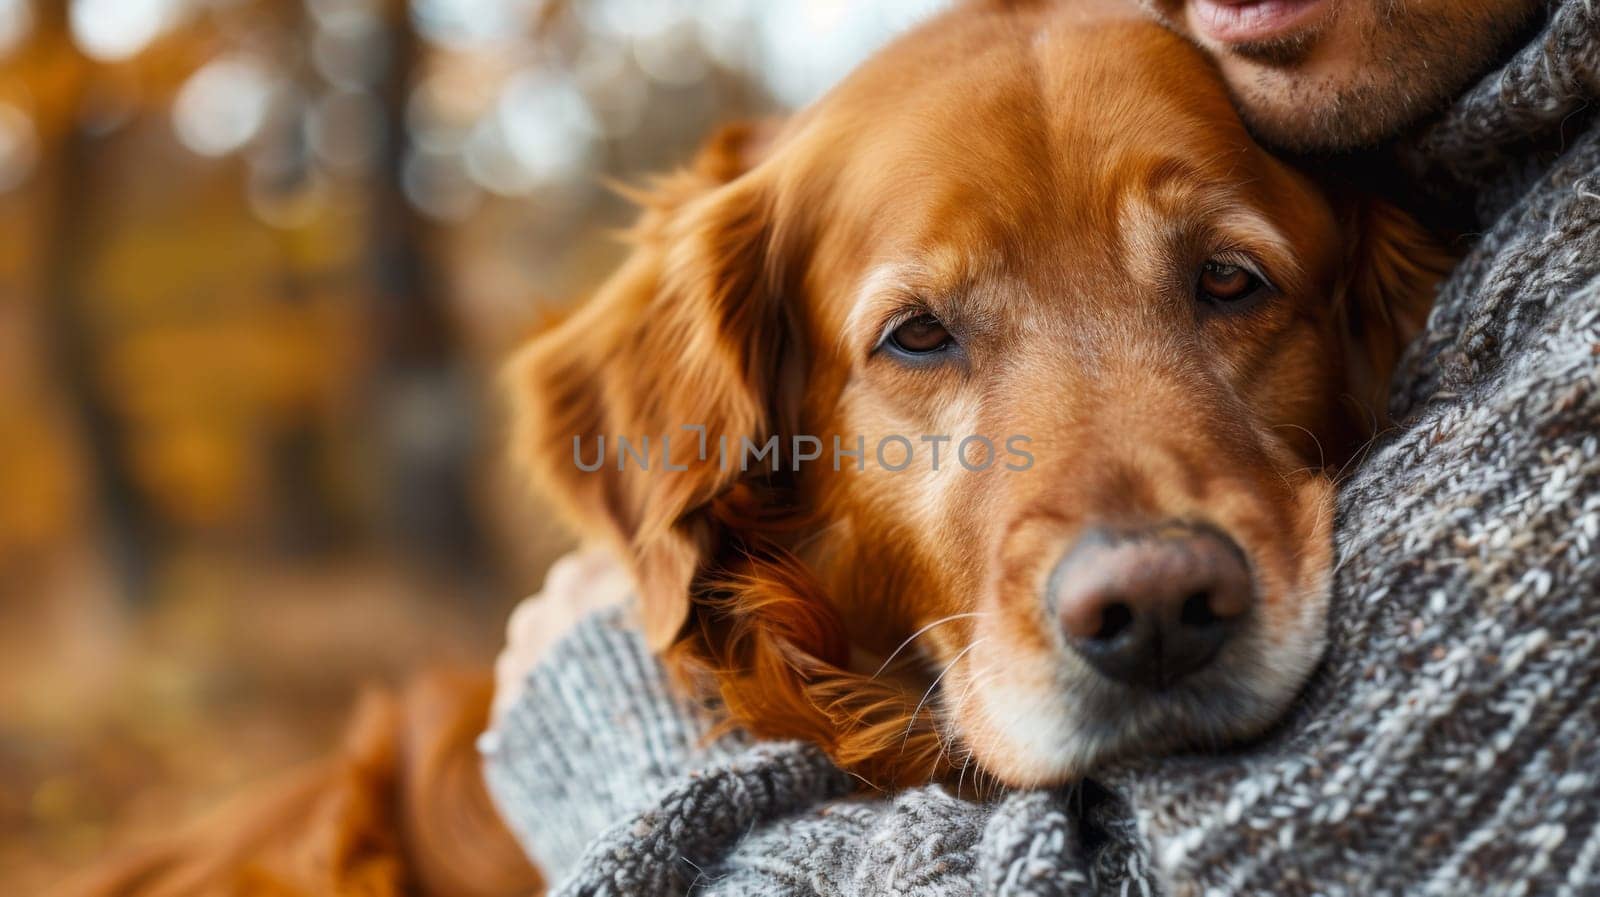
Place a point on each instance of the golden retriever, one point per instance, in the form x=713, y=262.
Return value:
x=983, y=413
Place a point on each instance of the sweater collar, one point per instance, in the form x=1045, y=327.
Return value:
x=1484, y=134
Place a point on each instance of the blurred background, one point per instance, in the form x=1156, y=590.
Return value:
x=259, y=263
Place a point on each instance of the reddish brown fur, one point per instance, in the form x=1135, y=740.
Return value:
x=400, y=811
x=1051, y=174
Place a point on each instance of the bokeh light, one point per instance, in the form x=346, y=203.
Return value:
x=438, y=186
x=805, y=46
x=16, y=21
x=474, y=24
x=19, y=147
x=348, y=46
x=114, y=30
x=546, y=124
x=223, y=105
x=344, y=127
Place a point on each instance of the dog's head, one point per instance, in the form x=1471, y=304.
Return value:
x=1057, y=360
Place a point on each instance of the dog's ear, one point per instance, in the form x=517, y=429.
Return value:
x=687, y=334
x=1393, y=266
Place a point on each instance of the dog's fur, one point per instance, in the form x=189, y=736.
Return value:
x=400, y=810
x=1048, y=182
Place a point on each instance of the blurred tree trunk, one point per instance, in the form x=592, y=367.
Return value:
x=306, y=519
x=424, y=393
x=70, y=153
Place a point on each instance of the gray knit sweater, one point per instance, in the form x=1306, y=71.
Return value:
x=1450, y=745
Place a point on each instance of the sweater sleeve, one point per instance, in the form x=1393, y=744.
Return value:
x=614, y=784
x=592, y=739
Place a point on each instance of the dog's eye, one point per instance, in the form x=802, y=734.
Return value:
x=1224, y=284
x=921, y=335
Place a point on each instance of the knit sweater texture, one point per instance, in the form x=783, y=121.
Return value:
x=1450, y=744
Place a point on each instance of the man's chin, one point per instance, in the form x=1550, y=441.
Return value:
x=1312, y=104
x=1360, y=75
x=1288, y=92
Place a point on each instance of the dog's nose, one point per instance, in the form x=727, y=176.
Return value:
x=1150, y=607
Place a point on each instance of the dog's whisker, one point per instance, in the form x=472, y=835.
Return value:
x=917, y=711
x=918, y=634
x=946, y=743
x=978, y=676
x=1322, y=455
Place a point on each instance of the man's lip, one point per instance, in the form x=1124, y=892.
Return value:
x=1247, y=21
